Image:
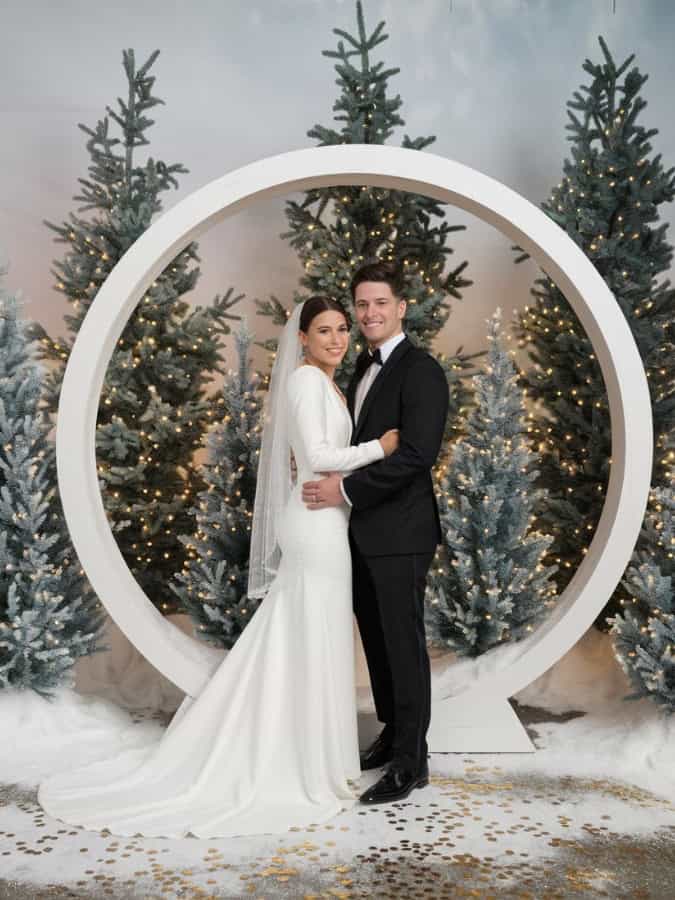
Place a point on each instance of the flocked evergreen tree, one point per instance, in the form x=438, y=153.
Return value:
x=49, y=616
x=336, y=229
x=154, y=408
x=608, y=203
x=644, y=632
x=488, y=584
x=213, y=584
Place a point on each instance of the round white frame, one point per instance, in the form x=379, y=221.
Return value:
x=185, y=660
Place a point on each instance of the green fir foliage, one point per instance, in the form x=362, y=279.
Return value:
x=608, y=203
x=644, y=630
x=49, y=615
x=154, y=408
x=488, y=584
x=213, y=584
x=335, y=230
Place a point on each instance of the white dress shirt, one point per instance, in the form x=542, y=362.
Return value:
x=365, y=383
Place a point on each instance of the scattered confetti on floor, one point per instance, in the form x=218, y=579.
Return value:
x=476, y=831
x=590, y=814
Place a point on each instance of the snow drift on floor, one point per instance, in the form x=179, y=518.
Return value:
x=614, y=738
x=42, y=736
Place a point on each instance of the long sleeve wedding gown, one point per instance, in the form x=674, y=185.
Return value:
x=271, y=742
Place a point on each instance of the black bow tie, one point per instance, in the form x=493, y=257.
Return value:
x=366, y=359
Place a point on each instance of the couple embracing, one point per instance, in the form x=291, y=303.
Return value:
x=272, y=742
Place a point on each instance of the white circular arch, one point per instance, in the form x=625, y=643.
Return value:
x=188, y=662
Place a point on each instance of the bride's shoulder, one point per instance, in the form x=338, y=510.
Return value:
x=305, y=377
x=306, y=373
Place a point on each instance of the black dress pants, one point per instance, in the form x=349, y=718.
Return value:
x=389, y=608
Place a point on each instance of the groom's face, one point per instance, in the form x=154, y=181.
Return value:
x=378, y=311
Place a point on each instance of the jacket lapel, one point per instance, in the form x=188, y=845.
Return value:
x=351, y=387
x=395, y=357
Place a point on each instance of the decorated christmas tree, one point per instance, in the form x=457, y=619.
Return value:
x=213, y=584
x=608, y=203
x=335, y=230
x=49, y=615
x=488, y=584
x=154, y=408
x=644, y=632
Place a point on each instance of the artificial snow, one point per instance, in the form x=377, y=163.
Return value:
x=584, y=786
x=614, y=738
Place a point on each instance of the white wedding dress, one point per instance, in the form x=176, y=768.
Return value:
x=271, y=742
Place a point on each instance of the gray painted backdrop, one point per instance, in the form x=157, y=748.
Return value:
x=241, y=81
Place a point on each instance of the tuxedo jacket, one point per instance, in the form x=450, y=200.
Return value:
x=394, y=509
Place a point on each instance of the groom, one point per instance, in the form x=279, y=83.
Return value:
x=394, y=525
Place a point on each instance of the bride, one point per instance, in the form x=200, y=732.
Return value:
x=271, y=742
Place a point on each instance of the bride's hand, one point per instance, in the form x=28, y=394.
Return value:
x=390, y=441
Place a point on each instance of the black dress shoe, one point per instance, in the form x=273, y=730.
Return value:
x=396, y=783
x=379, y=753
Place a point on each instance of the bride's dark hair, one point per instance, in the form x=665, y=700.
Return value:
x=318, y=304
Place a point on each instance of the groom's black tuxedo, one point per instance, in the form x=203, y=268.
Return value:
x=394, y=531
x=394, y=507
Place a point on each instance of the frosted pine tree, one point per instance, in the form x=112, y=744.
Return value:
x=608, y=203
x=49, y=615
x=334, y=230
x=154, y=408
x=488, y=584
x=644, y=631
x=213, y=584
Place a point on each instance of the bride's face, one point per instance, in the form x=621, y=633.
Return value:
x=326, y=340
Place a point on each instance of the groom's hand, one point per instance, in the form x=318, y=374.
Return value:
x=323, y=494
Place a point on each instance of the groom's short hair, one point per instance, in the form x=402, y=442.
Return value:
x=379, y=270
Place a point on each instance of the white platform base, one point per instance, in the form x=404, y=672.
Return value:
x=479, y=725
